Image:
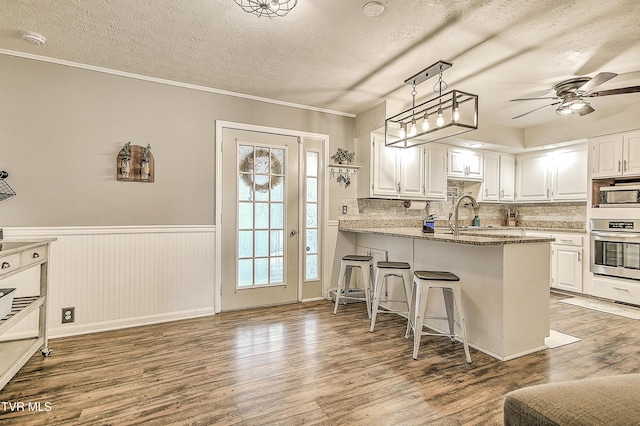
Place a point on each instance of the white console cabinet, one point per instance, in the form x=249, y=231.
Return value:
x=17, y=257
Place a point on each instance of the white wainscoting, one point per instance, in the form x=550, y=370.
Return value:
x=119, y=277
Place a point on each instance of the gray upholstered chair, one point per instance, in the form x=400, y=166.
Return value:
x=611, y=401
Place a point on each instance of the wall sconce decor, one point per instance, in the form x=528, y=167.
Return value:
x=135, y=164
x=448, y=114
x=342, y=168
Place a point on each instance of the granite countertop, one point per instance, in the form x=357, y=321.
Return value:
x=444, y=235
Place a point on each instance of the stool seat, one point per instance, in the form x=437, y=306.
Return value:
x=365, y=264
x=449, y=283
x=436, y=276
x=393, y=265
x=384, y=270
x=357, y=258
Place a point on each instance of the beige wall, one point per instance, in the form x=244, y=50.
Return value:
x=61, y=129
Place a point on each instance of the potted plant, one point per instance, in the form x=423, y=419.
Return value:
x=343, y=156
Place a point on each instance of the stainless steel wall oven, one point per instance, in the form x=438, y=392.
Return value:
x=615, y=248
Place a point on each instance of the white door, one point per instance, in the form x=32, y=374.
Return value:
x=631, y=161
x=532, y=178
x=491, y=180
x=507, y=177
x=567, y=268
x=570, y=180
x=411, y=173
x=260, y=214
x=385, y=169
x=436, y=172
x=607, y=156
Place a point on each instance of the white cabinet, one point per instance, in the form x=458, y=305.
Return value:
x=436, y=172
x=465, y=164
x=566, y=260
x=616, y=155
x=18, y=257
x=411, y=166
x=569, y=175
x=532, y=177
x=396, y=172
x=559, y=175
x=566, y=265
x=384, y=168
x=499, y=178
x=417, y=173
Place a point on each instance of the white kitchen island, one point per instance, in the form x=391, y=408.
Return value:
x=504, y=280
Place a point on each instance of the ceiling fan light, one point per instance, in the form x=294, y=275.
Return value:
x=564, y=110
x=578, y=104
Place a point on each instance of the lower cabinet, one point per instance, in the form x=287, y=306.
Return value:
x=566, y=267
x=566, y=260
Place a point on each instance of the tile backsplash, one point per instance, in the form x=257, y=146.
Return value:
x=530, y=215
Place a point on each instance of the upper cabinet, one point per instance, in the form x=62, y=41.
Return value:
x=559, y=175
x=465, y=164
x=436, y=172
x=499, y=178
x=417, y=173
x=616, y=155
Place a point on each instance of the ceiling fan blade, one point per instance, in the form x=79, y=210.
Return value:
x=620, y=91
x=586, y=110
x=533, y=99
x=534, y=110
x=596, y=81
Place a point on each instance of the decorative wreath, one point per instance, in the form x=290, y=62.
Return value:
x=248, y=166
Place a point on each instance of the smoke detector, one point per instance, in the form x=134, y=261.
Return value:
x=373, y=8
x=34, y=38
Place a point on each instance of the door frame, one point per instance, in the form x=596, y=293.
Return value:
x=220, y=125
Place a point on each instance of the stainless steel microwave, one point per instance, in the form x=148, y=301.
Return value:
x=620, y=196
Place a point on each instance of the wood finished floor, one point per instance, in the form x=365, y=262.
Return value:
x=299, y=364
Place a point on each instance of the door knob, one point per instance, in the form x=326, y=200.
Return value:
x=293, y=233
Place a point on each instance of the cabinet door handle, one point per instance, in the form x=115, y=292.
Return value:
x=547, y=192
x=398, y=186
x=35, y=256
x=6, y=265
x=486, y=192
x=624, y=165
x=621, y=289
x=619, y=166
x=579, y=257
x=502, y=193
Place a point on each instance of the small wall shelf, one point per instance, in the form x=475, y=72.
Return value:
x=343, y=172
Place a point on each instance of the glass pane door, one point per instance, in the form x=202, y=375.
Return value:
x=261, y=216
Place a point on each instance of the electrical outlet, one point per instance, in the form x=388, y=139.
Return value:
x=68, y=315
x=344, y=209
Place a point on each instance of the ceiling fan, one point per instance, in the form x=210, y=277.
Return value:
x=570, y=94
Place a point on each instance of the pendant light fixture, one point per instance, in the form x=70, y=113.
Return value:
x=268, y=8
x=456, y=112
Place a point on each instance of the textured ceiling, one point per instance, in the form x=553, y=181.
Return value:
x=327, y=54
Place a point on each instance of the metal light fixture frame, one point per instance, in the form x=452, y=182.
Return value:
x=265, y=8
x=457, y=110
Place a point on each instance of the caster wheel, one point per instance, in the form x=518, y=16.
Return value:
x=46, y=352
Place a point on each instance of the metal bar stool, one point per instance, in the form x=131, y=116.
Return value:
x=390, y=269
x=348, y=262
x=423, y=281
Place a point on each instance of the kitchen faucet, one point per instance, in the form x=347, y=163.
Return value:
x=456, y=226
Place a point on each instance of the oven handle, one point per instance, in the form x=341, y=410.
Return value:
x=620, y=236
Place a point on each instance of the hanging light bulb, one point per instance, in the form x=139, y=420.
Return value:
x=274, y=5
x=440, y=118
x=425, y=122
x=413, y=130
x=403, y=131
x=456, y=110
